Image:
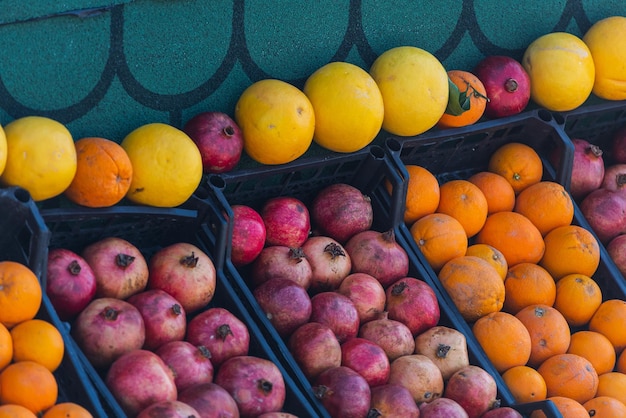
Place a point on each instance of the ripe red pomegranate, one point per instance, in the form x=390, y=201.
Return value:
x=378, y=254
x=605, y=211
x=367, y=359
x=587, y=168
x=617, y=251
x=393, y=401
x=474, y=389
x=367, y=294
x=392, y=336
x=218, y=138
x=163, y=317
x=445, y=346
x=221, y=332
x=343, y=392
x=108, y=328
x=191, y=364
x=330, y=263
x=70, y=282
x=185, y=272
x=256, y=384
x=442, y=407
x=286, y=304
x=169, y=409
x=614, y=177
x=414, y=303
x=120, y=268
x=419, y=375
x=281, y=261
x=287, y=221
x=502, y=412
x=340, y=211
x=618, y=146
x=315, y=348
x=138, y=379
x=210, y=400
x=337, y=312
x=248, y=236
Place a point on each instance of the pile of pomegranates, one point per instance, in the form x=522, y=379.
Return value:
x=150, y=328
x=364, y=333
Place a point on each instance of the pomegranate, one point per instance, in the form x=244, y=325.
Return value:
x=507, y=85
x=185, y=272
x=367, y=359
x=392, y=401
x=378, y=254
x=502, y=412
x=169, y=409
x=281, y=261
x=287, y=221
x=139, y=378
x=414, y=303
x=330, y=264
x=587, y=168
x=277, y=415
x=442, y=407
x=315, y=348
x=191, y=364
x=343, y=392
x=210, y=400
x=392, y=336
x=163, y=317
x=286, y=304
x=70, y=282
x=337, y=312
x=221, y=332
x=474, y=389
x=614, y=178
x=255, y=383
x=419, y=375
x=605, y=211
x=248, y=237
x=218, y=138
x=120, y=268
x=367, y=294
x=618, y=146
x=446, y=347
x=617, y=251
x=340, y=211
x=108, y=328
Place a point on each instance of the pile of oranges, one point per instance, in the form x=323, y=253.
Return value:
x=503, y=245
x=31, y=349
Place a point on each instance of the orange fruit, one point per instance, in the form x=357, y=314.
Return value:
x=518, y=163
x=465, y=202
x=570, y=249
x=473, y=99
x=6, y=347
x=440, y=238
x=28, y=384
x=497, y=190
x=620, y=364
x=514, y=235
x=596, y=348
x=547, y=204
x=15, y=411
x=577, y=298
x=569, y=375
x=20, y=293
x=67, y=410
x=39, y=341
x=549, y=332
x=612, y=384
x=528, y=284
x=504, y=338
x=103, y=173
x=474, y=286
x=568, y=408
x=422, y=195
x=610, y=320
x=605, y=406
x=490, y=254
x=525, y=384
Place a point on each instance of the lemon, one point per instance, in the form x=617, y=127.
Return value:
x=41, y=156
x=3, y=150
x=277, y=121
x=414, y=86
x=167, y=165
x=348, y=106
x=606, y=40
x=561, y=71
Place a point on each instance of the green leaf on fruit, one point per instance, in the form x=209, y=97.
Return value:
x=458, y=101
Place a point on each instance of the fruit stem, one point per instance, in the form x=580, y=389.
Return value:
x=374, y=413
x=475, y=92
x=228, y=131
x=595, y=150
x=190, y=261
x=397, y=289
x=74, y=268
x=389, y=236
x=334, y=250
x=296, y=254
x=204, y=352
x=224, y=331
x=109, y=313
x=321, y=391
x=124, y=260
x=265, y=386
x=620, y=180
x=510, y=85
x=177, y=309
x=442, y=350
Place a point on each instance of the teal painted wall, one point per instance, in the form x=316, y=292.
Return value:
x=104, y=68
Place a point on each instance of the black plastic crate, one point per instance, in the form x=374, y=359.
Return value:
x=199, y=221
x=24, y=239
x=367, y=171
